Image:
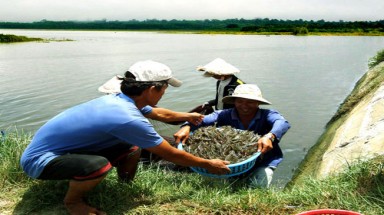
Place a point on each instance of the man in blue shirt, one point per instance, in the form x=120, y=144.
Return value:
x=84, y=142
x=247, y=115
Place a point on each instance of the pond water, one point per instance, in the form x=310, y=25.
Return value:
x=306, y=78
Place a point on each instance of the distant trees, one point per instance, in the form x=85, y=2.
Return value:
x=296, y=27
x=231, y=26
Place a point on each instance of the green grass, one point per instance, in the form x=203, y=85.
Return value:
x=9, y=38
x=378, y=58
x=157, y=190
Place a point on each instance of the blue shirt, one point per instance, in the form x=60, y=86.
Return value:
x=265, y=121
x=91, y=126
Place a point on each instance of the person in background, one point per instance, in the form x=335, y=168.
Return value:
x=83, y=143
x=247, y=115
x=226, y=83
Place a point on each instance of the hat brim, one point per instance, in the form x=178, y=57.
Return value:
x=208, y=74
x=174, y=82
x=111, y=86
x=231, y=99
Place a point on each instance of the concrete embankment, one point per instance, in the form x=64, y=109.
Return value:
x=355, y=133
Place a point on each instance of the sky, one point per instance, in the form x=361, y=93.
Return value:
x=124, y=10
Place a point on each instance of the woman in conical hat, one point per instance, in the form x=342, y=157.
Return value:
x=226, y=83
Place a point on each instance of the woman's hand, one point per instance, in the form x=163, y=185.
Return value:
x=265, y=143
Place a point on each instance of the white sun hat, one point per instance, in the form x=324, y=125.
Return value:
x=218, y=67
x=153, y=71
x=111, y=86
x=246, y=91
x=143, y=71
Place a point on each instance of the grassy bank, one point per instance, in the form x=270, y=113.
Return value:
x=157, y=190
x=282, y=33
x=228, y=32
x=9, y=38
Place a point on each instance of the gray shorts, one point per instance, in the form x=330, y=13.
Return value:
x=87, y=165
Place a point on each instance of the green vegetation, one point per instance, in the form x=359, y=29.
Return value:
x=300, y=31
x=157, y=190
x=377, y=59
x=9, y=38
x=242, y=26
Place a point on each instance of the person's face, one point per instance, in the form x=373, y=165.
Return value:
x=221, y=77
x=156, y=95
x=246, y=106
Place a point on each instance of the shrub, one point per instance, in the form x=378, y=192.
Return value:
x=300, y=31
x=9, y=38
x=376, y=59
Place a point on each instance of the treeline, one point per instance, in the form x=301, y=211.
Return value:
x=229, y=25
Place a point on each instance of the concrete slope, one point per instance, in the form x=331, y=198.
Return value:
x=355, y=133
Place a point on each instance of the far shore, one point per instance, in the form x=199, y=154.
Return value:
x=9, y=38
x=272, y=33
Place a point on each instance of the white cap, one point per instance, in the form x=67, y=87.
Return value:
x=153, y=71
x=246, y=91
x=218, y=67
x=143, y=71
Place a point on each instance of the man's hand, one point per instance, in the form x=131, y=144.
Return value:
x=195, y=118
x=183, y=158
x=182, y=135
x=264, y=144
x=217, y=166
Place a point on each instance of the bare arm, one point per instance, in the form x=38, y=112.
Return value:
x=166, y=115
x=183, y=158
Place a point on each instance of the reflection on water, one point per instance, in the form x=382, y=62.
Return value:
x=306, y=78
